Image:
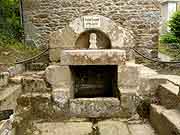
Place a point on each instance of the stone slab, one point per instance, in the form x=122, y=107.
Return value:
x=166, y=122
x=95, y=107
x=32, y=84
x=9, y=96
x=60, y=128
x=93, y=57
x=141, y=129
x=110, y=127
x=168, y=95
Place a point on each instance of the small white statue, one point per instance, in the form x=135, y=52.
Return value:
x=92, y=41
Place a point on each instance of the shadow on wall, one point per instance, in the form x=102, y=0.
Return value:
x=93, y=36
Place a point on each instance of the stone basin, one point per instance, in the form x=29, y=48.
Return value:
x=93, y=57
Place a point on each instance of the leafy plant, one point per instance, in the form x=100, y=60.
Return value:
x=174, y=25
x=173, y=36
x=10, y=24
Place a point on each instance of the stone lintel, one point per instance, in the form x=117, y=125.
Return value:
x=93, y=57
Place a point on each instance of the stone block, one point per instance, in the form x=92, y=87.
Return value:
x=93, y=57
x=17, y=69
x=58, y=76
x=64, y=38
x=9, y=96
x=32, y=84
x=16, y=79
x=166, y=122
x=129, y=101
x=61, y=128
x=149, y=84
x=4, y=78
x=141, y=129
x=95, y=107
x=128, y=75
x=109, y=127
x=36, y=66
x=168, y=95
x=61, y=97
x=54, y=54
x=31, y=98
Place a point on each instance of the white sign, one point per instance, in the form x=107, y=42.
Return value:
x=91, y=22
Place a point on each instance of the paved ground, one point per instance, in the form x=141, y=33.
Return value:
x=104, y=127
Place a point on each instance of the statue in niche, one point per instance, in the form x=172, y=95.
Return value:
x=93, y=41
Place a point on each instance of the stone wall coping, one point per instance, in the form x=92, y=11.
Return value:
x=93, y=57
x=168, y=1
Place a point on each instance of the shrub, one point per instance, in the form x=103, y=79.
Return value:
x=10, y=24
x=174, y=25
x=168, y=38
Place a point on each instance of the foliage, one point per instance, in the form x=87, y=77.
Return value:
x=168, y=38
x=174, y=25
x=10, y=24
x=174, y=35
x=12, y=50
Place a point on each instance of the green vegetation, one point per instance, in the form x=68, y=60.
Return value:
x=173, y=36
x=170, y=42
x=10, y=24
x=11, y=34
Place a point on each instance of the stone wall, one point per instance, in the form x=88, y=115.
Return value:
x=41, y=17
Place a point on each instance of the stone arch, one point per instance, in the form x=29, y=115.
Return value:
x=102, y=40
x=66, y=38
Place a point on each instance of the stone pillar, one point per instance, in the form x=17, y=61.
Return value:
x=59, y=77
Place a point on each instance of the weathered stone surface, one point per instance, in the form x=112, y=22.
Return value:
x=128, y=75
x=141, y=129
x=93, y=57
x=36, y=66
x=129, y=100
x=61, y=97
x=6, y=127
x=31, y=84
x=17, y=69
x=95, y=107
x=109, y=127
x=149, y=84
x=58, y=76
x=9, y=96
x=142, y=17
x=168, y=95
x=16, y=79
x=64, y=38
x=29, y=98
x=60, y=128
x=4, y=78
x=166, y=122
x=54, y=54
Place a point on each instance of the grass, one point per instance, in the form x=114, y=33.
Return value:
x=170, y=50
x=12, y=50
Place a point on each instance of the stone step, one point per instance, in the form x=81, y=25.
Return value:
x=114, y=127
x=56, y=128
x=166, y=122
x=36, y=66
x=33, y=84
x=168, y=95
x=84, y=127
x=9, y=96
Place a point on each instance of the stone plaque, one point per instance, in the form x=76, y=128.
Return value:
x=91, y=22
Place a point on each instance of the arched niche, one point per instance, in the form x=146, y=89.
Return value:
x=75, y=35
x=68, y=37
x=93, y=39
